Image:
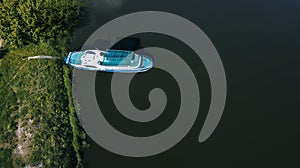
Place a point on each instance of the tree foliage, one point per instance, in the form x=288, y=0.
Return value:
x=32, y=21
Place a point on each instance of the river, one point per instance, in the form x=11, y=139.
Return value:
x=258, y=42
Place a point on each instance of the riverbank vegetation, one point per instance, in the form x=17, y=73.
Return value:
x=25, y=22
x=38, y=124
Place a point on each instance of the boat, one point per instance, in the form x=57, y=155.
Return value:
x=109, y=61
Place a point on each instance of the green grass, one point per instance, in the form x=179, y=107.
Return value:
x=35, y=96
x=72, y=116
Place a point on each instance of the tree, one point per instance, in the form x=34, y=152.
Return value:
x=32, y=21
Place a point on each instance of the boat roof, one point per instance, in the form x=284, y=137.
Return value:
x=118, y=58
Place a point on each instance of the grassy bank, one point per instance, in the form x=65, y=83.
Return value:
x=38, y=122
x=77, y=134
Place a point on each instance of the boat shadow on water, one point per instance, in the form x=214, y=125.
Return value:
x=128, y=43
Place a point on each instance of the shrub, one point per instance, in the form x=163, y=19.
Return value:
x=32, y=21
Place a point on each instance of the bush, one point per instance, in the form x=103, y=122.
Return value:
x=32, y=21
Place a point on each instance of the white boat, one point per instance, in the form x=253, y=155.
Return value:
x=109, y=61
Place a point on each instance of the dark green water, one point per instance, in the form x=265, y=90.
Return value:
x=258, y=42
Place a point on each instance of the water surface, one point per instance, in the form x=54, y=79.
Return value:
x=258, y=42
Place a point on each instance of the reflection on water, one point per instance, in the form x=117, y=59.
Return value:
x=258, y=42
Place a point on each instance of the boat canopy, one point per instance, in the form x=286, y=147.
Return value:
x=119, y=58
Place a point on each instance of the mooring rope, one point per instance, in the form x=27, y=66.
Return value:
x=42, y=57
